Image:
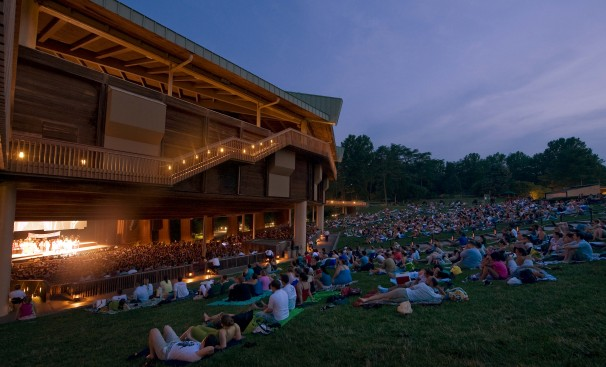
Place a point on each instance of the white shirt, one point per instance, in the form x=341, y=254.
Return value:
x=291, y=292
x=181, y=290
x=17, y=293
x=278, y=302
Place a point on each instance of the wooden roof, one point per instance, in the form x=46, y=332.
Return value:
x=111, y=38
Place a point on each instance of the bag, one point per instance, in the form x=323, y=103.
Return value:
x=457, y=295
x=349, y=291
x=335, y=298
x=527, y=277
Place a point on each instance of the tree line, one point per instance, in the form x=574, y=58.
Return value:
x=395, y=173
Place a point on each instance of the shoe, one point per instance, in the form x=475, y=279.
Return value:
x=487, y=282
x=265, y=328
x=382, y=289
x=259, y=330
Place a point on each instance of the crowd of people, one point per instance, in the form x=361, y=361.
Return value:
x=436, y=218
x=127, y=259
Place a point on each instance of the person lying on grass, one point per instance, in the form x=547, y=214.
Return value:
x=167, y=346
x=210, y=336
x=424, y=292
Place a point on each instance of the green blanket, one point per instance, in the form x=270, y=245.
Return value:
x=225, y=302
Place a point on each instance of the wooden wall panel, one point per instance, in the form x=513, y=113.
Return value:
x=52, y=104
x=252, y=179
x=218, y=131
x=222, y=179
x=184, y=131
x=300, y=179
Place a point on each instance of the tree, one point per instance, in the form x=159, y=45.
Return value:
x=355, y=169
x=569, y=162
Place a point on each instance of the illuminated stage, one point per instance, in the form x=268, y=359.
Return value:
x=84, y=246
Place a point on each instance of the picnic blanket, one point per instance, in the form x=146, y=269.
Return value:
x=131, y=306
x=225, y=302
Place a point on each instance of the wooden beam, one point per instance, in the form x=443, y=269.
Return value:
x=84, y=41
x=51, y=28
x=140, y=61
x=112, y=51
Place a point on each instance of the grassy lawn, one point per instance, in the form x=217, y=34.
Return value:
x=559, y=323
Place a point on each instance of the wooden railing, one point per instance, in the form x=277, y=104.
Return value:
x=45, y=157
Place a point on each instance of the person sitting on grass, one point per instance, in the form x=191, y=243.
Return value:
x=342, y=274
x=290, y=290
x=322, y=280
x=17, y=296
x=240, y=291
x=388, y=267
x=521, y=260
x=493, y=267
x=470, y=257
x=257, y=286
x=578, y=249
x=167, y=346
x=423, y=292
x=277, y=308
x=303, y=288
x=180, y=289
x=27, y=311
x=141, y=293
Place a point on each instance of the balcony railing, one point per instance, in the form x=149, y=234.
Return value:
x=45, y=157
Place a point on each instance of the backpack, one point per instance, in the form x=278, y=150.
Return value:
x=457, y=294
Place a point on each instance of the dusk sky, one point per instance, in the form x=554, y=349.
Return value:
x=446, y=77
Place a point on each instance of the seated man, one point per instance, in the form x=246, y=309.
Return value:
x=388, y=267
x=119, y=296
x=214, y=264
x=578, y=249
x=470, y=257
x=290, y=290
x=180, y=289
x=240, y=291
x=17, y=296
x=141, y=293
x=276, y=309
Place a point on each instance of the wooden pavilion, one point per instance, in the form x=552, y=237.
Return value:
x=107, y=116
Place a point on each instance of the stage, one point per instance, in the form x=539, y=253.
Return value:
x=83, y=247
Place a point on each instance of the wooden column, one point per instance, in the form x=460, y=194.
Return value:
x=300, y=235
x=145, y=231
x=164, y=233
x=8, y=198
x=232, y=225
x=320, y=217
x=209, y=229
x=186, y=230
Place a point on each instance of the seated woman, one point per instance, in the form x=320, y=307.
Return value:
x=493, y=266
x=322, y=279
x=257, y=286
x=521, y=260
x=167, y=346
x=342, y=274
x=27, y=311
x=303, y=288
